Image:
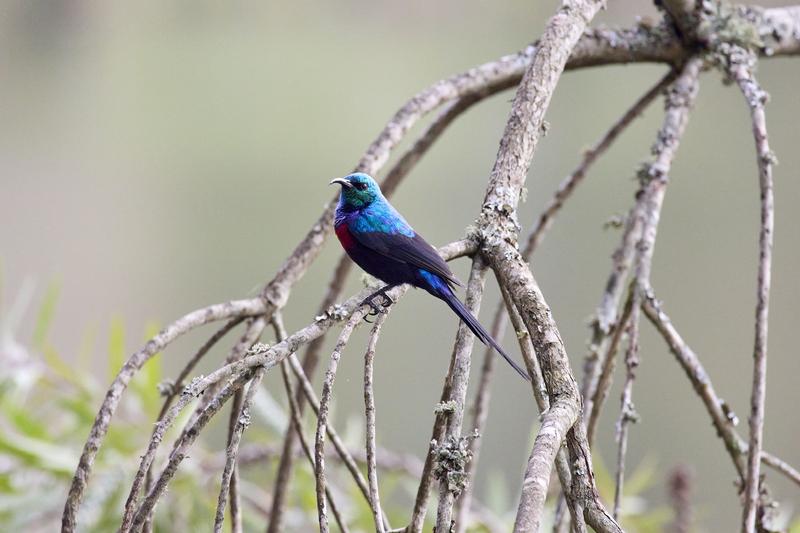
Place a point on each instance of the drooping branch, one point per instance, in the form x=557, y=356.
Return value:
x=322, y=419
x=543, y=223
x=680, y=99
x=426, y=478
x=741, y=64
x=369, y=412
x=242, y=421
x=297, y=424
x=721, y=417
x=498, y=228
x=590, y=156
x=272, y=356
x=182, y=446
x=171, y=393
x=641, y=228
x=539, y=389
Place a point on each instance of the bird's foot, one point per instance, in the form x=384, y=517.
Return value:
x=380, y=307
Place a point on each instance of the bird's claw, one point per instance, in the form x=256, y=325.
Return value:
x=375, y=310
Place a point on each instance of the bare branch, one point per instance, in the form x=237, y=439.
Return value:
x=543, y=223
x=235, y=308
x=480, y=413
x=740, y=68
x=183, y=445
x=297, y=423
x=310, y=361
x=555, y=424
x=369, y=408
x=235, y=437
x=172, y=392
x=722, y=417
x=596, y=47
x=543, y=402
x=451, y=474
x=239, y=418
x=345, y=456
x=643, y=222
x=426, y=478
x=781, y=466
x=322, y=418
x=680, y=99
x=268, y=358
x=568, y=185
x=498, y=227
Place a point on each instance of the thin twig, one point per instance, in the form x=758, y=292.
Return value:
x=223, y=311
x=172, y=392
x=297, y=423
x=310, y=361
x=642, y=227
x=226, y=486
x=346, y=457
x=369, y=412
x=451, y=474
x=627, y=411
x=183, y=445
x=722, y=417
x=480, y=414
x=604, y=368
x=741, y=68
x=426, y=478
x=237, y=423
x=680, y=98
x=322, y=419
x=568, y=185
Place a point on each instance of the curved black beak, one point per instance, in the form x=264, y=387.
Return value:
x=341, y=181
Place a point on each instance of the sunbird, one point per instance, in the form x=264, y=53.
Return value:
x=379, y=240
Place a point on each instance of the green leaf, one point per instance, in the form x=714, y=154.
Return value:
x=152, y=370
x=58, y=365
x=26, y=422
x=45, y=317
x=643, y=476
x=39, y=454
x=86, y=349
x=145, y=385
x=116, y=347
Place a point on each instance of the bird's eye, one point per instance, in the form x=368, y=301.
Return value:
x=361, y=186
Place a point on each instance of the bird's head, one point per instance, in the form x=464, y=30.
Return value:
x=358, y=190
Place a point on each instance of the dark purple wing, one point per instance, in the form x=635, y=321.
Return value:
x=411, y=250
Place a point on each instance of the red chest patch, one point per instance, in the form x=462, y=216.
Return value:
x=345, y=237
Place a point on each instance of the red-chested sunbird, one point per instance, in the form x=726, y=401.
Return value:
x=382, y=243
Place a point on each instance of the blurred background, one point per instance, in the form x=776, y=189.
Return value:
x=156, y=157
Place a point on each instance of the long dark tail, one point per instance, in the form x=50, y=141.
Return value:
x=473, y=324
